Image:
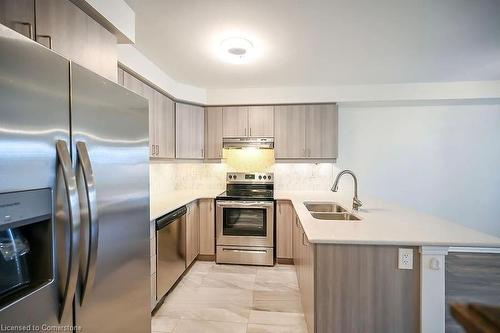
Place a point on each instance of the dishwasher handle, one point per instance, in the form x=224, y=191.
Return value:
x=163, y=221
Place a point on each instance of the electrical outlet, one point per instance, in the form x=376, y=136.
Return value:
x=405, y=258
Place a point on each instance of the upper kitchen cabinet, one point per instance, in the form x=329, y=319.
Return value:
x=19, y=15
x=289, y=131
x=189, y=131
x=248, y=121
x=306, y=131
x=235, y=121
x=321, y=131
x=63, y=27
x=261, y=121
x=161, y=116
x=213, y=133
x=164, y=125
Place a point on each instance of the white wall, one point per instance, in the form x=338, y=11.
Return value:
x=440, y=159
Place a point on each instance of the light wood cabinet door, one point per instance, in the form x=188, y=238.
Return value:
x=192, y=232
x=284, y=225
x=164, y=125
x=134, y=84
x=289, y=131
x=189, y=130
x=148, y=93
x=321, y=131
x=213, y=133
x=19, y=15
x=307, y=294
x=235, y=121
x=66, y=29
x=207, y=226
x=261, y=121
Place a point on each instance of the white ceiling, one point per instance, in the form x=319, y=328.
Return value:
x=322, y=42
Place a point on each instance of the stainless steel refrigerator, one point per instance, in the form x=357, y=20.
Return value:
x=74, y=196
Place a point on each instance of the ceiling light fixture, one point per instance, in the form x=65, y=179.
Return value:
x=236, y=50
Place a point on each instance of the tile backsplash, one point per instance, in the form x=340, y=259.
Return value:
x=166, y=177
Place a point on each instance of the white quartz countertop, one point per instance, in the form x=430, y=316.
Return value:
x=164, y=204
x=381, y=222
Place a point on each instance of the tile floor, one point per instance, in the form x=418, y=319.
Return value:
x=233, y=299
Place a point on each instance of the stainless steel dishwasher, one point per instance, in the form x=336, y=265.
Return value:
x=170, y=250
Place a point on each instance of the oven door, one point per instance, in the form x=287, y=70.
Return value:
x=245, y=223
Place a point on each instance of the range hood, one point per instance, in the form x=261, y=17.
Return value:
x=238, y=143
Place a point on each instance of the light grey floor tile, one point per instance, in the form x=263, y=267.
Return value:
x=232, y=298
x=239, y=269
x=200, y=311
x=229, y=280
x=292, y=306
x=163, y=324
x=259, y=328
x=266, y=295
x=203, y=326
x=276, y=318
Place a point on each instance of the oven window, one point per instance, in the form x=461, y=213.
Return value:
x=244, y=222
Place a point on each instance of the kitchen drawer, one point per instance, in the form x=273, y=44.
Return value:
x=251, y=256
x=153, y=264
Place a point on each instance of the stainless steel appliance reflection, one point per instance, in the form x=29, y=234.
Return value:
x=245, y=220
x=82, y=142
x=171, y=256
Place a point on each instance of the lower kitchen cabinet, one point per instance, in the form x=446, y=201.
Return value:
x=152, y=253
x=284, y=224
x=207, y=227
x=355, y=288
x=192, y=232
x=303, y=258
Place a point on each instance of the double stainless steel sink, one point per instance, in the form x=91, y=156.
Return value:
x=330, y=211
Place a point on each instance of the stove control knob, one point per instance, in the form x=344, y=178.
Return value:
x=230, y=176
x=260, y=177
x=234, y=176
x=269, y=177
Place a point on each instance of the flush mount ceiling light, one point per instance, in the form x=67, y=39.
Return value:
x=236, y=50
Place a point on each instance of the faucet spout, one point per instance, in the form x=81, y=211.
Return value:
x=356, y=203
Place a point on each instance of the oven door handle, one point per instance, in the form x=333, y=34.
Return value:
x=243, y=204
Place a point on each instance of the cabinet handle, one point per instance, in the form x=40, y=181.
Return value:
x=303, y=242
x=30, y=27
x=157, y=150
x=250, y=131
x=309, y=152
x=202, y=152
x=279, y=208
x=297, y=222
x=153, y=150
x=48, y=37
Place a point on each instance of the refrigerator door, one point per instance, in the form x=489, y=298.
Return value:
x=34, y=115
x=110, y=125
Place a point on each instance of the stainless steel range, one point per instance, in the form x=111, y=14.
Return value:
x=245, y=220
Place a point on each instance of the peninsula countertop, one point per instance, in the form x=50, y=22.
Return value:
x=381, y=222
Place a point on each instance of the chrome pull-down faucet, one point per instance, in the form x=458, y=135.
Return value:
x=356, y=203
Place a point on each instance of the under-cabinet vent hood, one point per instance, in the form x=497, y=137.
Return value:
x=238, y=143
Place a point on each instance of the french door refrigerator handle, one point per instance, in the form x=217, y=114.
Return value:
x=71, y=190
x=90, y=191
